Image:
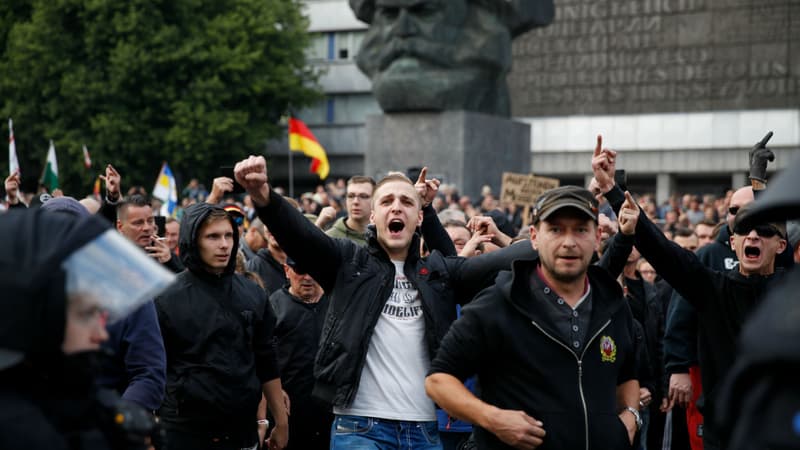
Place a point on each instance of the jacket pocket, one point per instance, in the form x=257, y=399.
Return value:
x=353, y=424
x=610, y=429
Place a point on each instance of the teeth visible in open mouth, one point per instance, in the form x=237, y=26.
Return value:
x=752, y=251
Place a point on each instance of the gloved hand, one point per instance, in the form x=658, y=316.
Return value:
x=759, y=156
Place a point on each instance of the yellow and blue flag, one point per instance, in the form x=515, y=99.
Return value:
x=166, y=190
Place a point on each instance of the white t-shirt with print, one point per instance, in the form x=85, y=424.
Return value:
x=393, y=379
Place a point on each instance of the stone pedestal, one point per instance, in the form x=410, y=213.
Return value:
x=462, y=148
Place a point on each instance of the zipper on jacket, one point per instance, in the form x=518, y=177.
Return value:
x=350, y=396
x=580, y=371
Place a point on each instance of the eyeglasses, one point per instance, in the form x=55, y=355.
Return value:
x=733, y=210
x=764, y=231
x=353, y=195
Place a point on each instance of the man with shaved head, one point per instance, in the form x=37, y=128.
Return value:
x=723, y=299
x=389, y=308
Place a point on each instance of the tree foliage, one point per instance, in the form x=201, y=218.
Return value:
x=195, y=83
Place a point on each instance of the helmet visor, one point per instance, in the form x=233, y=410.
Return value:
x=115, y=274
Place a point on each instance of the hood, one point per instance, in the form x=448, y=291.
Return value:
x=33, y=304
x=193, y=217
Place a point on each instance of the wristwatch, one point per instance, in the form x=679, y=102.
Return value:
x=636, y=416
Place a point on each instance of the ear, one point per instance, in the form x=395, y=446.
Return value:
x=119, y=225
x=372, y=217
x=419, y=218
x=532, y=230
x=286, y=270
x=797, y=253
x=781, y=246
x=732, y=243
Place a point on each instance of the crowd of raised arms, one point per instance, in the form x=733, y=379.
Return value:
x=394, y=314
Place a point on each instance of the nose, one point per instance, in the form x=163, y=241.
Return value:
x=752, y=235
x=226, y=242
x=569, y=240
x=405, y=26
x=99, y=333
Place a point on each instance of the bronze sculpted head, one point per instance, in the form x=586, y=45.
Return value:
x=434, y=55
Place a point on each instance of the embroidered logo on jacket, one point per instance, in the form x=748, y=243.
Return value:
x=608, y=349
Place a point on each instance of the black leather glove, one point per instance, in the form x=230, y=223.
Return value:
x=759, y=156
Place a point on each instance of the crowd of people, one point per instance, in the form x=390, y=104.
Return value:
x=394, y=314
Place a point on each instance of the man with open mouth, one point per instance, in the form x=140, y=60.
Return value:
x=389, y=308
x=724, y=300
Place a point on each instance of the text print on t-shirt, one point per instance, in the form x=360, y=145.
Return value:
x=404, y=303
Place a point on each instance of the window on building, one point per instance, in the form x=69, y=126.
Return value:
x=341, y=109
x=335, y=46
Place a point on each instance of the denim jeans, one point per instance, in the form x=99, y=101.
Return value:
x=361, y=433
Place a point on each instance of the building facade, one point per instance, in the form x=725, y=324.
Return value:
x=682, y=88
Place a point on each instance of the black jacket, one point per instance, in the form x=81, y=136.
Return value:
x=298, y=327
x=217, y=332
x=723, y=300
x=759, y=401
x=359, y=281
x=269, y=269
x=48, y=400
x=521, y=365
x=643, y=300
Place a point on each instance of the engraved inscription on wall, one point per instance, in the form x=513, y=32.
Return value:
x=634, y=56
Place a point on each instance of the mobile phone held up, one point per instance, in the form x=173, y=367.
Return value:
x=161, y=226
x=227, y=171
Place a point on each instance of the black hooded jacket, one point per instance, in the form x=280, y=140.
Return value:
x=522, y=364
x=217, y=332
x=48, y=400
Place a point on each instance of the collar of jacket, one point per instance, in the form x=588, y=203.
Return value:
x=607, y=296
x=755, y=279
x=375, y=248
x=724, y=236
x=267, y=256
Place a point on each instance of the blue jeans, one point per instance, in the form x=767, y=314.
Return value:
x=362, y=433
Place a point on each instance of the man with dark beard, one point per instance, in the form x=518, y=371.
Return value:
x=444, y=55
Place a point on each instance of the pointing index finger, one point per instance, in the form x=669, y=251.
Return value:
x=599, y=147
x=422, y=175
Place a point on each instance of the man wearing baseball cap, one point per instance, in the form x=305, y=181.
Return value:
x=551, y=342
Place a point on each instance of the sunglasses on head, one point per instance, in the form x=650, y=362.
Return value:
x=238, y=220
x=764, y=231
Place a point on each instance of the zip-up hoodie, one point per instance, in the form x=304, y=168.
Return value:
x=217, y=332
x=522, y=364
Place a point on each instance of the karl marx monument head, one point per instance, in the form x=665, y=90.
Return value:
x=434, y=55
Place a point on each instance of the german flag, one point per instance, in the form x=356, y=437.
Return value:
x=301, y=140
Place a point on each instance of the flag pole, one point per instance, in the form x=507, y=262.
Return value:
x=291, y=174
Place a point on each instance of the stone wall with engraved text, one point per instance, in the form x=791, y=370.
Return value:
x=641, y=56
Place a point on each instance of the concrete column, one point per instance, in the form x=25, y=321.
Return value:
x=739, y=180
x=665, y=186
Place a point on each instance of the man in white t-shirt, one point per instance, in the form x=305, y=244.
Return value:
x=389, y=307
